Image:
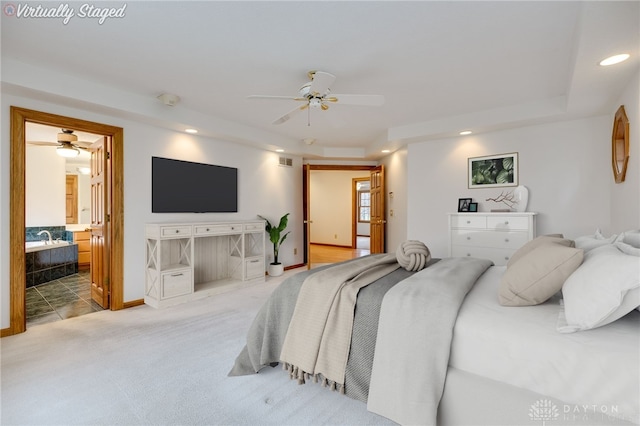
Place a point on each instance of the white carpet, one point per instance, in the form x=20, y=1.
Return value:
x=168, y=366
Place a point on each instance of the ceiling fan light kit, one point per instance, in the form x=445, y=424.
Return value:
x=67, y=150
x=315, y=94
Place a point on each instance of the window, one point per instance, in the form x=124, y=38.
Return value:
x=364, y=206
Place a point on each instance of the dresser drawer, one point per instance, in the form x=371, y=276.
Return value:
x=469, y=221
x=227, y=228
x=251, y=227
x=175, y=231
x=507, y=240
x=176, y=283
x=254, y=267
x=500, y=257
x=507, y=223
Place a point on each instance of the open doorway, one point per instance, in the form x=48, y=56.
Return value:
x=17, y=238
x=58, y=200
x=322, y=237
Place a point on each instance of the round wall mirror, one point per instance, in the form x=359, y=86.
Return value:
x=620, y=145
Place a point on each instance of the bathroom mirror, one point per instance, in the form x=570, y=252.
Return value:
x=620, y=145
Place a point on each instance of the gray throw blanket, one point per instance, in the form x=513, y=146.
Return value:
x=319, y=335
x=414, y=340
x=269, y=328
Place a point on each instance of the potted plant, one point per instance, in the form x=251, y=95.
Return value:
x=275, y=236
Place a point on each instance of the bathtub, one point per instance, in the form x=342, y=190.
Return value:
x=42, y=245
x=46, y=262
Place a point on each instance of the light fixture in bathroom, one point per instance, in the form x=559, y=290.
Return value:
x=83, y=170
x=67, y=150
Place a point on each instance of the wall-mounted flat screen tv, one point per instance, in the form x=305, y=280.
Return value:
x=186, y=187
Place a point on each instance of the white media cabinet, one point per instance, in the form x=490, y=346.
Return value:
x=187, y=261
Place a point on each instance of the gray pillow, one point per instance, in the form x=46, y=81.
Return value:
x=538, y=274
x=537, y=242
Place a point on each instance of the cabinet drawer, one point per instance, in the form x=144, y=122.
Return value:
x=175, y=231
x=254, y=267
x=84, y=258
x=254, y=227
x=176, y=283
x=507, y=240
x=500, y=257
x=81, y=236
x=469, y=221
x=506, y=223
x=217, y=229
x=83, y=246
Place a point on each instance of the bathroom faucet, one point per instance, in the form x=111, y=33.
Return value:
x=48, y=233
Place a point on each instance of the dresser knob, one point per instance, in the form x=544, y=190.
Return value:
x=506, y=222
x=468, y=238
x=468, y=222
x=177, y=231
x=506, y=240
x=207, y=229
x=506, y=258
x=469, y=254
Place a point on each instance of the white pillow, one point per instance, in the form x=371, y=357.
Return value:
x=604, y=288
x=632, y=238
x=589, y=242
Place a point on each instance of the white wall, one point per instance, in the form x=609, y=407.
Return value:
x=625, y=196
x=264, y=187
x=45, y=199
x=566, y=167
x=331, y=209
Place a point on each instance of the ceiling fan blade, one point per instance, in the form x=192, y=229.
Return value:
x=321, y=82
x=290, y=98
x=43, y=143
x=364, y=100
x=290, y=114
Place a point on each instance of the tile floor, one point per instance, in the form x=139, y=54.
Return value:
x=60, y=299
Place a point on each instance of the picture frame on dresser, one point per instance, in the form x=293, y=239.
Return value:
x=463, y=204
x=473, y=207
x=493, y=171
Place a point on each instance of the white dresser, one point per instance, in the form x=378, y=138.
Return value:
x=494, y=236
x=186, y=261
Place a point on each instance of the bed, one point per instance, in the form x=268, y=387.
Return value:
x=554, y=336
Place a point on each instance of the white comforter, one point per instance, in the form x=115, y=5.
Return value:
x=598, y=369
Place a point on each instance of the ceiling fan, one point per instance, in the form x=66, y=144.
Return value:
x=68, y=145
x=317, y=94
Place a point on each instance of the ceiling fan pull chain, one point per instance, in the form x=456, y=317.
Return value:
x=308, y=117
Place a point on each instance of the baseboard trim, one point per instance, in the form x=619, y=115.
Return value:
x=299, y=265
x=132, y=303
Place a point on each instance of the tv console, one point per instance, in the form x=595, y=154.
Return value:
x=188, y=261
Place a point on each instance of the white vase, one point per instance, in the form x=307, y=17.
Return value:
x=521, y=196
x=275, y=270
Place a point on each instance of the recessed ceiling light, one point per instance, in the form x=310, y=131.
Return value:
x=615, y=59
x=192, y=131
x=386, y=151
x=279, y=150
x=465, y=132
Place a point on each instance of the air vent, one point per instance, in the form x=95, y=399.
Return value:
x=286, y=162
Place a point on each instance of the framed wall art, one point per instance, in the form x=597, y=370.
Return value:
x=493, y=171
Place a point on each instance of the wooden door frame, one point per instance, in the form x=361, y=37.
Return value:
x=17, y=273
x=356, y=212
x=306, y=204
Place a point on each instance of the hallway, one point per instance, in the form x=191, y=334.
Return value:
x=321, y=254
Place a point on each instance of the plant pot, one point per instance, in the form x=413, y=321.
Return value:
x=276, y=269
